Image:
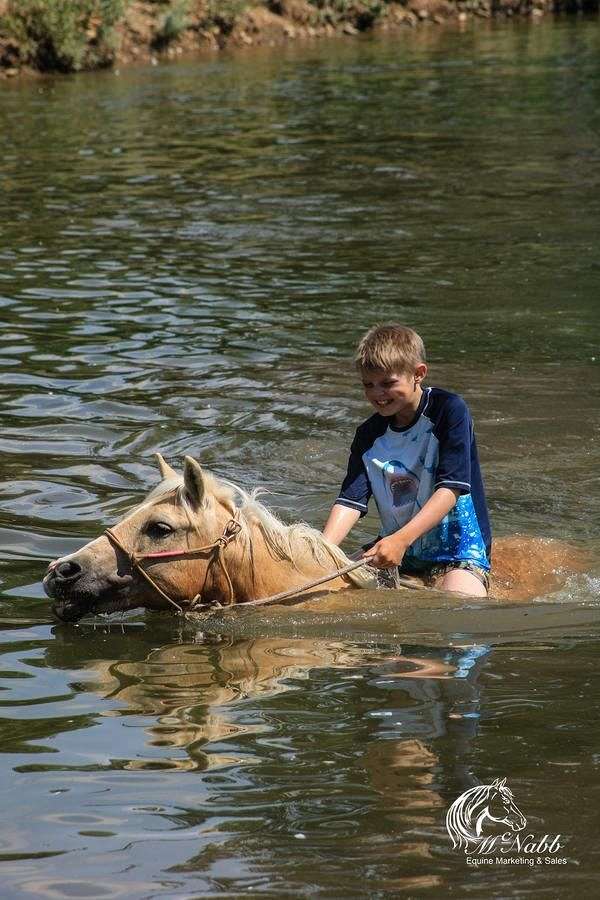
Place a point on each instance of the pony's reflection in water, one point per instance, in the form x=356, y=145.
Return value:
x=196, y=690
x=330, y=739
x=402, y=703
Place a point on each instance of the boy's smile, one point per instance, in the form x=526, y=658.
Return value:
x=394, y=394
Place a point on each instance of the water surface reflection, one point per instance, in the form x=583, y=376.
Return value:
x=187, y=254
x=256, y=750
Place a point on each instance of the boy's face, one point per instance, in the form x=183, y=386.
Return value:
x=393, y=393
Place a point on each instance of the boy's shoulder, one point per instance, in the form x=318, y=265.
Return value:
x=442, y=403
x=442, y=408
x=369, y=430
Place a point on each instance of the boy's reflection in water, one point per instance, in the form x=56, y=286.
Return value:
x=424, y=740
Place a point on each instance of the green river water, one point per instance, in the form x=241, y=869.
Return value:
x=188, y=254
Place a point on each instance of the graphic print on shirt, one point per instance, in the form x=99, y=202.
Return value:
x=402, y=483
x=458, y=536
x=400, y=466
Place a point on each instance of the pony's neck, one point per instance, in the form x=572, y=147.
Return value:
x=256, y=574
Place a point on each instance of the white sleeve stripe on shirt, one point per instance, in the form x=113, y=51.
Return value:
x=352, y=502
x=447, y=481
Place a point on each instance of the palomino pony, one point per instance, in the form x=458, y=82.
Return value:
x=199, y=541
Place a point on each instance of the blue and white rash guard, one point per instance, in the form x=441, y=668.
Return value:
x=402, y=467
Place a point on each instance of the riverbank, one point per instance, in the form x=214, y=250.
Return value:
x=44, y=35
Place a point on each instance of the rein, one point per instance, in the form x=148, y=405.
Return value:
x=231, y=530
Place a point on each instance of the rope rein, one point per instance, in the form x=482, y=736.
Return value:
x=216, y=549
x=275, y=598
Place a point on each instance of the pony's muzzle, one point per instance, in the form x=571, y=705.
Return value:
x=67, y=571
x=60, y=578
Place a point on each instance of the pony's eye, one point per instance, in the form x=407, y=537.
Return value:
x=159, y=529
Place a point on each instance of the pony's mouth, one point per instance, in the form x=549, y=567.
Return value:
x=67, y=611
x=70, y=611
x=73, y=601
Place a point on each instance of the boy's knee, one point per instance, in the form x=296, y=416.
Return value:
x=462, y=582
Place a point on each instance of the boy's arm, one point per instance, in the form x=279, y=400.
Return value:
x=353, y=499
x=389, y=550
x=340, y=521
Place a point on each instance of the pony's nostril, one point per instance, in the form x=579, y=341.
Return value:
x=67, y=571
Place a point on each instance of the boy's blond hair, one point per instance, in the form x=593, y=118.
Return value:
x=391, y=348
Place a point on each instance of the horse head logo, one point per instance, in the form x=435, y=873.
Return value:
x=466, y=816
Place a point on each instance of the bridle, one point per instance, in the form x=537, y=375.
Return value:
x=215, y=549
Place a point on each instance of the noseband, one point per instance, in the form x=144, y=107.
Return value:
x=216, y=548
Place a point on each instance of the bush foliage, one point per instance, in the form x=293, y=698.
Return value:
x=173, y=22
x=61, y=35
x=362, y=12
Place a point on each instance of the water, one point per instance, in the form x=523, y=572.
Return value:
x=188, y=254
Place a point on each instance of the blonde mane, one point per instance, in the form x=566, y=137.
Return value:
x=298, y=543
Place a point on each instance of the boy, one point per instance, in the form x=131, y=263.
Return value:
x=417, y=455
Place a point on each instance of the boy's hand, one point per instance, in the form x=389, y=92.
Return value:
x=387, y=552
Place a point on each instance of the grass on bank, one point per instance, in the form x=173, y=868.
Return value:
x=69, y=35
x=59, y=35
x=221, y=14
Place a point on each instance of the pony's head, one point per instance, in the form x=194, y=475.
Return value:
x=180, y=513
x=193, y=536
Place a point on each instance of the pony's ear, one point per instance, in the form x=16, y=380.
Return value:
x=502, y=783
x=193, y=480
x=496, y=783
x=165, y=469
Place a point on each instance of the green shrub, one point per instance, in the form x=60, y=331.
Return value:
x=223, y=13
x=361, y=13
x=63, y=35
x=174, y=22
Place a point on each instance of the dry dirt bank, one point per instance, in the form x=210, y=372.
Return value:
x=47, y=35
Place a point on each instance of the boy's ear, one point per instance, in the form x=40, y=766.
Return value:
x=420, y=373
